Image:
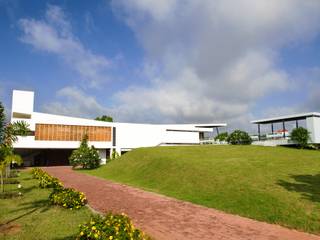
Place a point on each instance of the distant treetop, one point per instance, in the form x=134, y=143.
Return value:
x=104, y=118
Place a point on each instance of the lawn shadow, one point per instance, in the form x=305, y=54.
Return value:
x=29, y=208
x=71, y=237
x=307, y=185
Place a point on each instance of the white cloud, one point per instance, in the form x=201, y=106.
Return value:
x=215, y=58
x=72, y=101
x=54, y=35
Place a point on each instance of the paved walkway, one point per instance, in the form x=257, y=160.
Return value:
x=165, y=218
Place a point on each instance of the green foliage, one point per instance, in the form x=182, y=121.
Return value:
x=114, y=154
x=37, y=173
x=301, y=136
x=239, y=137
x=104, y=118
x=111, y=226
x=2, y=124
x=45, y=180
x=20, y=128
x=68, y=198
x=8, y=135
x=222, y=137
x=85, y=156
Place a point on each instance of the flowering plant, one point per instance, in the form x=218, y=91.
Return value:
x=47, y=181
x=68, y=198
x=37, y=173
x=110, y=227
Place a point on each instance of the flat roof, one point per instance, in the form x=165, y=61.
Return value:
x=286, y=118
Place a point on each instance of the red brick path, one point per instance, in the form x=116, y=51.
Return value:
x=165, y=218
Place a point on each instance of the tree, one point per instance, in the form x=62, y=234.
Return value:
x=8, y=135
x=104, y=118
x=239, y=137
x=221, y=137
x=301, y=136
x=85, y=156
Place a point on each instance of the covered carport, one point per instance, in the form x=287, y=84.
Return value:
x=312, y=123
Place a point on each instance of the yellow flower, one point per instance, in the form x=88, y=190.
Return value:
x=96, y=235
x=81, y=234
x=110, y=237
x=93, y=228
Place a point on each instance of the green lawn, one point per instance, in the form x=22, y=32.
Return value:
x=31, y=216
x=272, y=184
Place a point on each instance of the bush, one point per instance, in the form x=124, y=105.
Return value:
x=221, y=137
x=47, y=181
x=37, y=173
x=239, y=137
x=85, y=156
x=301, y=136
x=110, y=227
x=68, y=198
x=114, y=154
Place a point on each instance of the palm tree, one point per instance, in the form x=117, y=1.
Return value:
x=8, y=135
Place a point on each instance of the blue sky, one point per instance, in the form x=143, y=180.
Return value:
x=164, y=61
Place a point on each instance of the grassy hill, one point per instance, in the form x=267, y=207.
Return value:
x=272, y=184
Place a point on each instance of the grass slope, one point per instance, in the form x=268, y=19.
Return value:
x=31, y=216
x=272, y=184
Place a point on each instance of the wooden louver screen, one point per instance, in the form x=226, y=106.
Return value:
x=57, y=132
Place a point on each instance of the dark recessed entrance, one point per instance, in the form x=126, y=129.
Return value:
x=45, y=157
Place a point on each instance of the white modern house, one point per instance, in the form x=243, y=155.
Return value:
x=310, y=120
x=53, y=137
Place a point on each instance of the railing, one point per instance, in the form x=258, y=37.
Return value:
x=212, y=141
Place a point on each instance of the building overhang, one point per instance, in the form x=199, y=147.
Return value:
x=293, y=117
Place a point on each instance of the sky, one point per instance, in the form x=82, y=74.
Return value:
x=169, y=61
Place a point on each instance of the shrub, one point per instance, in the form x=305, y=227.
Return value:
x=239, y=137
x=85, y=156
x=221, y=137
x=110, y=227
x=47, y=181
x=68, y=198
x=114, y=154
x=37, y=173
x=301, y=136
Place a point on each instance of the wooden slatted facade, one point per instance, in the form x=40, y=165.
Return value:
x=57, y=132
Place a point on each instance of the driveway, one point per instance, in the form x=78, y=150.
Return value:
x=165, y=218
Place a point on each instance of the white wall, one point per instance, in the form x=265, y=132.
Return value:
x=137, y=135
x=181, y=137
x=22, y=101
x=313, y=126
